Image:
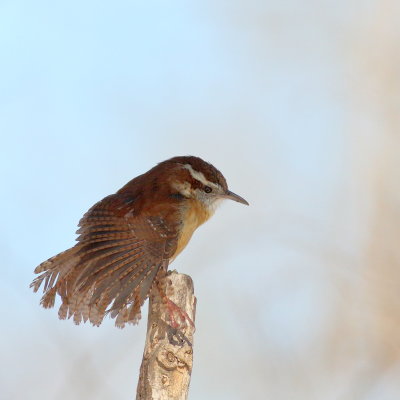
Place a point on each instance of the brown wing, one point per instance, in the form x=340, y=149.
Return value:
x=112, y=268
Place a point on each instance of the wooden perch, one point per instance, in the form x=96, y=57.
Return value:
x=168, y=354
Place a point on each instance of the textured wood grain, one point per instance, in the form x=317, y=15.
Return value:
x=168, y=355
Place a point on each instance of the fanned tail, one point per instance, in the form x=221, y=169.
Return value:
x=107, y=283
x=113, y=266
x=56, y=274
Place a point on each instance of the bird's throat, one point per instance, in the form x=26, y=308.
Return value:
x=194, y=215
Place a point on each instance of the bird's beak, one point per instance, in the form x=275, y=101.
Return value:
x=233, y=196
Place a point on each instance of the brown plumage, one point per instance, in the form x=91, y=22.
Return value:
x=127, y=240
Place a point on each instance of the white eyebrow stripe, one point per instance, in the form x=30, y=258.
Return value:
x=199, y=176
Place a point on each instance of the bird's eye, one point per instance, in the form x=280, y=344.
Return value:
x=207, y=189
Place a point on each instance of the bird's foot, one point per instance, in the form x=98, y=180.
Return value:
x=177, y=317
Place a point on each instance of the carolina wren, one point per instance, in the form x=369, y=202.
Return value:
x=127, y=240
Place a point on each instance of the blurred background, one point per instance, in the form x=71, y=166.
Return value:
x=296, y=102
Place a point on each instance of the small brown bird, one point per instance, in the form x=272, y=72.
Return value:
x=127, y=240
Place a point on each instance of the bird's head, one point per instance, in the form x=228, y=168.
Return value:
x=193, y=178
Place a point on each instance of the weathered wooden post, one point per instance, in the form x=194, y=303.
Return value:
x=168, y=355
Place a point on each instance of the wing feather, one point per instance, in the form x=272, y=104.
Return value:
x=113, y=266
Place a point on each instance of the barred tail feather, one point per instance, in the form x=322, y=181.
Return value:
x=117, y=286
x=112, y=268
x=52, y=274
